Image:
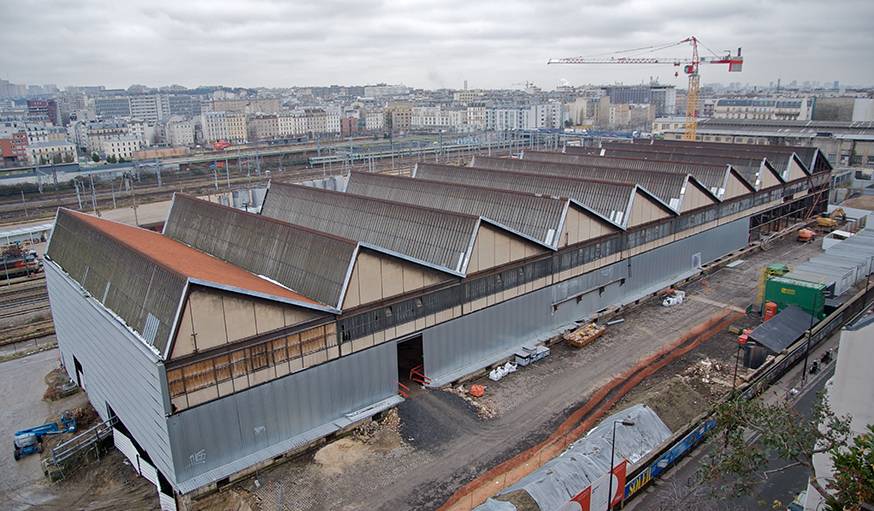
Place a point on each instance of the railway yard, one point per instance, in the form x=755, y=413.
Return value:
x=440, y=447
x=226, y=171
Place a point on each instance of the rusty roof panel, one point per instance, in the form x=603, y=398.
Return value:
x=312, y=263
x=141, y=292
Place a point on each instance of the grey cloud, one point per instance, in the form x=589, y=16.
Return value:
x=426, y=43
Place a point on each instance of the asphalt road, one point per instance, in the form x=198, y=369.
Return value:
x=679, y=485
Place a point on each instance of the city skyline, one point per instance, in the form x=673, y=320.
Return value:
x=424, y=45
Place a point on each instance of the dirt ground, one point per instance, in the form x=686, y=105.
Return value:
x=108, y=484
x=443, y=442
x=436, y=441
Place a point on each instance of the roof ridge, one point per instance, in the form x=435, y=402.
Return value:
x=464, y=187
x=95, y=223
x=481, y=169
x=607, y=156
x=580, y=165
x=265, y=218
x=87, y=219
x=374, y=199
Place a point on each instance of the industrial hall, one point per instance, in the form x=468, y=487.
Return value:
x=232, y=338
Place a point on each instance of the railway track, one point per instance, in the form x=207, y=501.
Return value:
x=197, y=179
x=23, y=299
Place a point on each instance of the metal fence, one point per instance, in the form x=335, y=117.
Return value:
x=662, y=459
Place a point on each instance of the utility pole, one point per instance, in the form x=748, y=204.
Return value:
x=23, y=203
x=93, y=195
x=78, y=196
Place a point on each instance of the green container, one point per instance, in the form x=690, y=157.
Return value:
x=809, y=296
x=778, y=269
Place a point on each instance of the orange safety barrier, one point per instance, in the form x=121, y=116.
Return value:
x=403, y=390
x=583, y=418
x=417, y=374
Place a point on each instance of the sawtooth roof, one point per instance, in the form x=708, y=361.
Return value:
x=747, y=169
x=606, y=199
x=747, y=160
x=313, y=263
x=811, y=157
x=711, y=176
x=536, y=217
x=667, y=186
x=141, y=275
x=434, y=238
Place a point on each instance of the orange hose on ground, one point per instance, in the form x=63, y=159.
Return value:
x=512, y=470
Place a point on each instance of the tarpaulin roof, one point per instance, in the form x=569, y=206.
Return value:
x=586, y=460
x=783, y=329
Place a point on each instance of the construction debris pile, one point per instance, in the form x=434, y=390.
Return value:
x=483, y=409
x=583, y=336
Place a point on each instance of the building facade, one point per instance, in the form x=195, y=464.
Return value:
x=450, y=270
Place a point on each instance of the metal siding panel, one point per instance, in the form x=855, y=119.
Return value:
x=466, y=344
x=118, y=368
x=225, y=428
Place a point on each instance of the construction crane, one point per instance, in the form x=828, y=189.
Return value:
x=690, y=67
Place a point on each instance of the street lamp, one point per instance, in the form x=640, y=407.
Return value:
x=624, y=422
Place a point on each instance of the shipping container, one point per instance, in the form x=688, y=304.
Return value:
x=809, y=296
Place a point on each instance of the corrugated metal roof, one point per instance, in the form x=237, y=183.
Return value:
x=533, y=216
x=711, y=176
x=747, y=158
x=133, y=286
x=312, y=263
x=667, y=186
x=810, y=156
x=745, y=167
x=605, y=198
x=435, y=238
x=141, y=275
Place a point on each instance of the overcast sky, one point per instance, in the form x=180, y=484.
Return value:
x=422, y=43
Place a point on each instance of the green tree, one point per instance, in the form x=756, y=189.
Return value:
x=95, y=157
x=853, y=482
x=750, y=433
x=121, y=159
x=110, y=159
x=68, y=158
x=57, y=158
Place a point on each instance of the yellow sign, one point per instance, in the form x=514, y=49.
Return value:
x=787, y=291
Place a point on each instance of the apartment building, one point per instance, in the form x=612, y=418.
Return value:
x=788, y=109
x=120, y=147
x=179, y=132
x=230, y=126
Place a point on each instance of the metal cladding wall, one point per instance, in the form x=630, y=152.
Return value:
x=221, y=437
x=118, y=368
x=471, y=342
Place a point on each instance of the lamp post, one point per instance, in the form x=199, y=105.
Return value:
x=610, y=470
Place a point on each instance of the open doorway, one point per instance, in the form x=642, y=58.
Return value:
x=80, y=374
x=410, y=357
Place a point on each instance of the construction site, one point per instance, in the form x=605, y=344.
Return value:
x=431, y=340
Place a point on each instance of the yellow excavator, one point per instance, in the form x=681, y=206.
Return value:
x=831, y=220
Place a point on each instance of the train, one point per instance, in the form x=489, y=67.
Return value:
x=18, y=261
